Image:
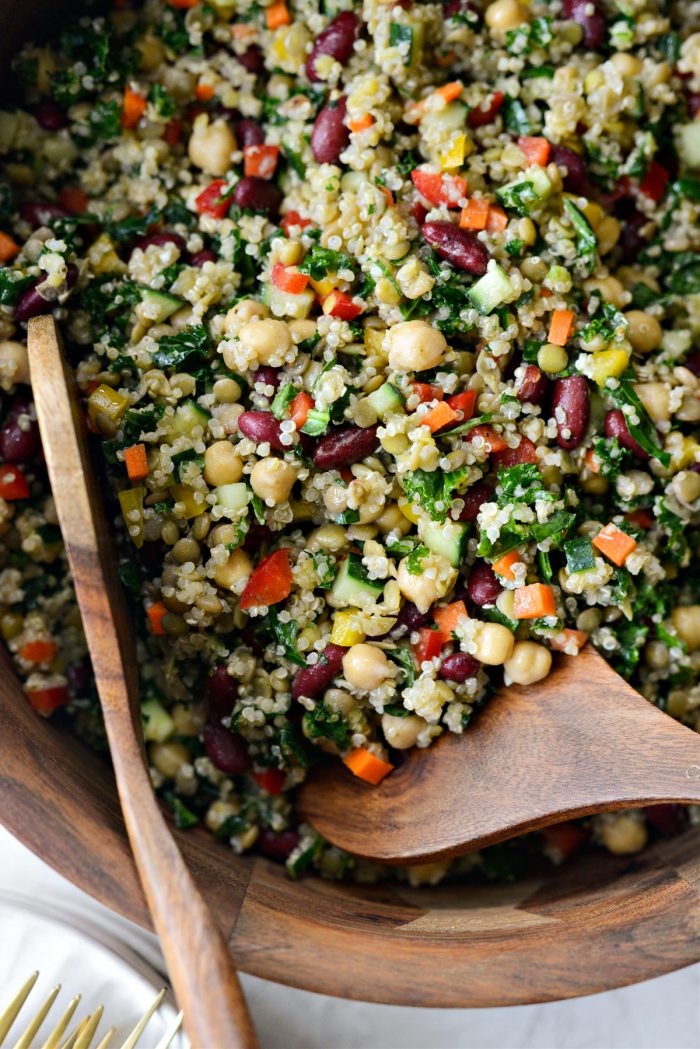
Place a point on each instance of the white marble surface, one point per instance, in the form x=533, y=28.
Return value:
x=660, y=1014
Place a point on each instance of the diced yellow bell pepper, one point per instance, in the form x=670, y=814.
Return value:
x=346, y=630
x=324, y=286
x=131, y=502
x=191, y=506
x=683, y=450
x=608, y=364
x=106, y=409
x=407, y=510
x=454, y=157
x=374, y=338
x=103, y=257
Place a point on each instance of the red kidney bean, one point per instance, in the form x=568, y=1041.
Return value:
x=482, y=585
x=616, y=426
x=344, y=447
x=32, y=304
x=666, y=818
x=18, y=445
x=458, y=246
x=315, y=679
x=49, y=115
x=225, y=750
x=249, y=133
x=160, y=239
x=336, y=40
x=252, y=60
x=200, y=257
x=693, y=99
x=221, y=693
x=40, y=213
x=570, y=399
x=267, y=375
x=256, y=537
x=473, y=498
x=262, y=427
x=330, y=136
x=410, y=618
x=692, y=362
x=533, y=389
x=258, y=194
x=591, y=21
x=576, y=178
x=458, y=667
x=631, y=239
x=79, y=678
x=277, y=845
x=479, y=117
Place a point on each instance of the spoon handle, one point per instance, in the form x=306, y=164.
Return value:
x=199, y=964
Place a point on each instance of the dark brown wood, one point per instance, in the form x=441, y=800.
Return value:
x=199, y=964
x=579, y=742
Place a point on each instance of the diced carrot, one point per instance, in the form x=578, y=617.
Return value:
x=299, y=409
x=288, y=278
x=504, y=565
x=427, y=392
x=448, y=617
x=450, y=92
x=183, y=5
x=463, y=402
x=260, y=161
x=172, y=133
x=534, y=601
x=448, y=59
x=46, y=700
x=8, y=247
x=367, y=766
x=270, y=582
x=204, y=92
x=361, y=123
x=614, y=544
x=493, y=439
x=155, y=613
x=38, y=651
x=497, y=219
x=536, y=149
x=74, y=199
x=568, y=638
x=641, y=517
x=562, y=839
x=439, y=417
x=561, y=326
x=388, y=196
x=415, y=111
x=545, y=293
x=475, y=214
x=133, y=108
x=277, y=15
x=592, y=462
x=428, y=646
x=136, y=462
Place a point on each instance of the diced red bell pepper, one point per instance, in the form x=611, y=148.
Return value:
x=524, y=453
x=427, y=392
x=493, y=439
x=299, y=409
x=270, y=582
x=293, y=218
x=172, y=133
x=439, y=188
x=419, y=211
x=13, y=484
x=74, y=199
x=463, y=402
x=340, y=305
x=480, y=117
x=535, y=148
x=46, y=700
x=211, y=201
x=289, y=279
x=654, y=183
x=271, y=780
x=563, y=839
x=428, y=646
x=641, y=517
x=666, y=818
x=260, y=161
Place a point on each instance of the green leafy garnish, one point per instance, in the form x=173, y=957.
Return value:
x=321, y=261
x=434, y=491
x=586, y=242
x=414, y=560
x=284, y=634
x=189, y=347
x=643, y=430
x=324, y=723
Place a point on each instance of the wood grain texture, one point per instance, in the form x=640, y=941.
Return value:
x=199, y=964
x=579, y=742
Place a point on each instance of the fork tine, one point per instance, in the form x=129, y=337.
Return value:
x=167, y=1038
x=140, y=1026
x=27, y=1038
x=107, y=1039
x=8, y=1017
x=86, y=1035
x=52, y=1042
x=75, y=1033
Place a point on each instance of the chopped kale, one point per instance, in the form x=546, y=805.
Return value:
x=189, y=347
x=162, y=101
x=321, y=261
x=414, y=561
x=607, y=322
x=284, y=634
x=404, y=659
x=643, y=430
x=515, y=116
x=586, y=242
x=435, y=490
x=324, y=723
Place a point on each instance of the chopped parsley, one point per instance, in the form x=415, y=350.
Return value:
x=434, y=490
x=189, y=347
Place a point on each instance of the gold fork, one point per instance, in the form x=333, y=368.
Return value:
x=83, y=1034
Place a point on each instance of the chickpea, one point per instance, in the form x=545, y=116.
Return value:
x=552, y=359
x=223, y=534
x=218, y=812
x=402, y=733
x=494, y=644
x=503, y=15
x=168, y=758
x=436, y=580
x=244, y=311
x=226, y=391
x=268, y=339
x=222, y=464
x=365, y=666
x=186, y=549
x=655, y=398
x=686, y=486
x=189, y=718
x=415, y=346
x=152, y=52
x=211, y=145
x=339, y=701
x=273, y=479
x=329, y=537
x=301, y=330
x=234, y=573
x=626, y=64
x=686, y=620
x=14, y=363
x=608, y=234
x=643, y=331
x=392, y=520
x=610, y=289
x=529, y=663
x=623, y=833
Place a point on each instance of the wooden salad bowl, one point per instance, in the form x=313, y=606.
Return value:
x=596, y=923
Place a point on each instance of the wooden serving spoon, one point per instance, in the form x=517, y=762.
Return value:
x=579, y=742
x=199, y=963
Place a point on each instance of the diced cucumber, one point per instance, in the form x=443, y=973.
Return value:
x=689, y=144
x=157, y=723
x=351, y=584
x=448, y=539
x=282, y=304
x=522, y=192
x=157, y=306
x=385, y=400
x=233, y=496
x=492, y=289
x=451, y=118
x=188, y=416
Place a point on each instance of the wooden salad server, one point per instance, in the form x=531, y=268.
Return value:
x=199, y=963
x=580, y=742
